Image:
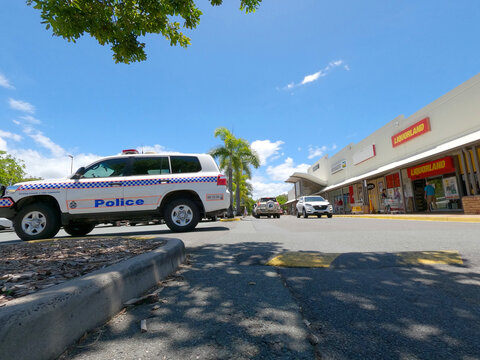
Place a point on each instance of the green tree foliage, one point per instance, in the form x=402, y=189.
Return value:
x=11, y=170
x=120, y=23
x=235, y=156
x=282, y=199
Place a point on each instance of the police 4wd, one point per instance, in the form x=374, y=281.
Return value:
x=178, y=188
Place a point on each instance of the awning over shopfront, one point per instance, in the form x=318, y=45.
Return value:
x=290, y=201
x=304, y=176
x=438, y=150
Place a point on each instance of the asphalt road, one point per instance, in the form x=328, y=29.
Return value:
x=368, y=304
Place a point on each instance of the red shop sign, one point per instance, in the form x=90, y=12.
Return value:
x=432, y=168
x=420, y=128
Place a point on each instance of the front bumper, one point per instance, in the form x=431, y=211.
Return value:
x=319, y=210
x=6, y=208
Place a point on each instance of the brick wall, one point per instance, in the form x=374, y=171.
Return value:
x=471, y=204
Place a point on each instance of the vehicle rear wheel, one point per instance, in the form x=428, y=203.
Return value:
x=181, y=215
x=36, y=221
x=304, y=213
x=78, y=228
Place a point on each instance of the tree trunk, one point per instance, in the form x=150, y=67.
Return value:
x=230, y=189
x=237, y=196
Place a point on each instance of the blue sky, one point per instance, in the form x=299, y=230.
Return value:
x=297, y=79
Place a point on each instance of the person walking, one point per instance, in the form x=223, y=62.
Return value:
x=430, y=197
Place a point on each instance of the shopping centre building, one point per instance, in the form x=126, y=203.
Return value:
x=388, y=170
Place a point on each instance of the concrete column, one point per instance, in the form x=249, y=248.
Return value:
x=477, y=163
x=465, y=173
x=470, y=173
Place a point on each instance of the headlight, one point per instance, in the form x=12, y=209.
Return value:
x=330, y=208
x=11, y=189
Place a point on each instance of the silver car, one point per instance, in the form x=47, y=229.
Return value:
x=314, y=205
x=5, y=224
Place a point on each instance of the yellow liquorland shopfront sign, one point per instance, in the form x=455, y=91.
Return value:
x=417, y=129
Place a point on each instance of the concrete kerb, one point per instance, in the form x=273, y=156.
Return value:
x=419, y=217
x=42, y=325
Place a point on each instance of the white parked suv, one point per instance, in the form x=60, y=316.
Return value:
x=314, y=205
x=178, y=188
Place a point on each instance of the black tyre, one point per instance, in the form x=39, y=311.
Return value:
x=78, y=228
x=36, y=221
x=304, y=213
x=329, y=216
x=181, y=215
x=319, y=216
x=298, y=214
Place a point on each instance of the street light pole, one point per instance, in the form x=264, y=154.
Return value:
x=71, y=164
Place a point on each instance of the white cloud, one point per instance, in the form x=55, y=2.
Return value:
x=318, y=151
x=313, y=77
x=5, y=136
x=263, y=187
x=21, y=106
x=30, y=119
x=51, y=167
x=283, y=171
x=158, y=149
x=5, y=83
x=265, y=149
x=319, y=74
x=44, y=141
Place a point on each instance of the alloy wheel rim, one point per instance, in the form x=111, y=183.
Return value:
x=182, y=215
x=34, y=222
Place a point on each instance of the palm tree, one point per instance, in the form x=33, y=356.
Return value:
x=234, y=155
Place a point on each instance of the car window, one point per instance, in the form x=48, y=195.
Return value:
x=314, y=198
x=150, y=166
x=185, y=164
x=106, y=168
x=266, y=199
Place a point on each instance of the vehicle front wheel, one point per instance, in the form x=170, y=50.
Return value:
x=298, y=214
x=181, y=215
x=319, y=216
x=329, y=216
x=304, y=213
x=36, y=221
x=78, y=228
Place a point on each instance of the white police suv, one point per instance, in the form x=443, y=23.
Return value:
x=179, y=188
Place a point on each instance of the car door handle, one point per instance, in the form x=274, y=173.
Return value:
x=115, y=184
x=163, y=181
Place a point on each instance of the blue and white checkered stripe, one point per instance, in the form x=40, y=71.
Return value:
x=199, y=179
x=104, y=184
x=6, y=202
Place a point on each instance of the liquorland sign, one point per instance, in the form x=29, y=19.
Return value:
x=432, y=168
x=417, y=129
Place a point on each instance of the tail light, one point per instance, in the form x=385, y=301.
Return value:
x=222, y=180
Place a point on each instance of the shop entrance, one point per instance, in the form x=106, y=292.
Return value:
x=419, y=195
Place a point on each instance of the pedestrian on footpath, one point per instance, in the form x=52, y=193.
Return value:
x=430, y=197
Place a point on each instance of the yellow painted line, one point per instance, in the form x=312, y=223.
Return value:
x=450, y=257
x=303, y=259
x=417, y=218
x=233, y=219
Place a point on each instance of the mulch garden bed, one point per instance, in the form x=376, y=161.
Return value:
x=26, y=268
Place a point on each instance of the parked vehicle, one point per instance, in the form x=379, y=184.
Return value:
x=314, y=205
x=267, y=206
x=181, y=189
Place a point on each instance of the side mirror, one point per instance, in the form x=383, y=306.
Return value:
x=79, y=173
